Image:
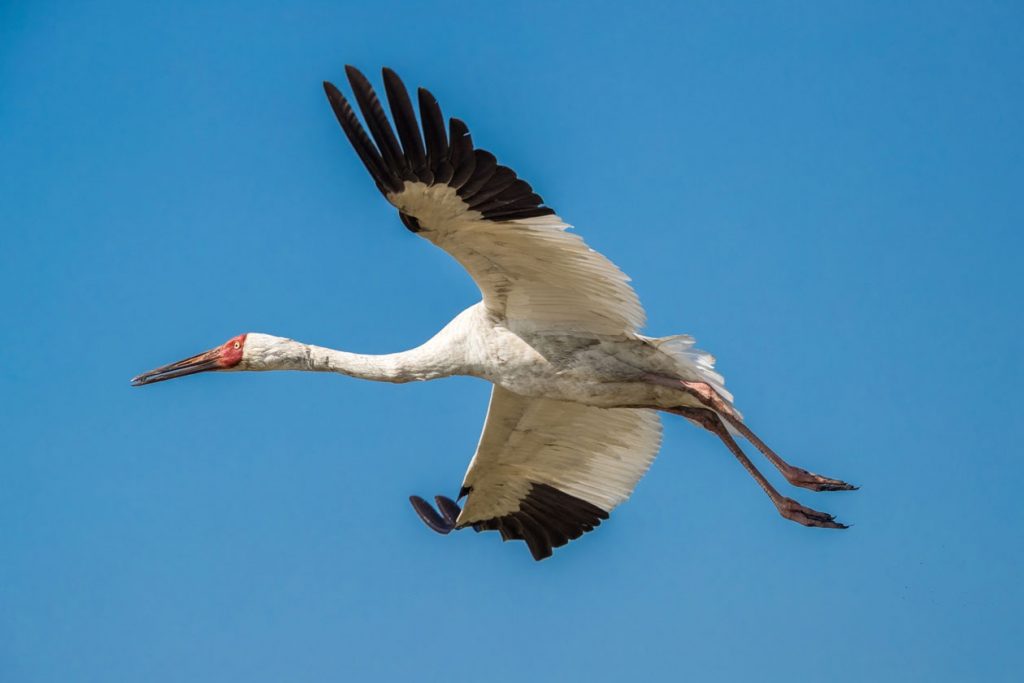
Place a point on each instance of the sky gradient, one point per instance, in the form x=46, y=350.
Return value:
x=827, y=196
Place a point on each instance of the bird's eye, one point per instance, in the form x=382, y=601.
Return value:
x=237, y=345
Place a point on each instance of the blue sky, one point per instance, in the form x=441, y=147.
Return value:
x=828, y=196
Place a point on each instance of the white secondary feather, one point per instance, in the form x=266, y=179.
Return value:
x=532, y=272
x=596, y=454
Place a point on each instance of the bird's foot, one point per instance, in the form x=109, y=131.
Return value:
x=815, y=482
x=801, y=514
x=450, y=510
x=442, y=523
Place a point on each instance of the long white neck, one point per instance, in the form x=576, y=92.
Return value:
x=421, y=363
x=434, y=359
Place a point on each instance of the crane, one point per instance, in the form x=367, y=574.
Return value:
x=574, y=415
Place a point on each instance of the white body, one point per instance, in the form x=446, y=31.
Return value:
x=595, y=370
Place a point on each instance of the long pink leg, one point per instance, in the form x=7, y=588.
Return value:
x=787, y=507
x=797, y=476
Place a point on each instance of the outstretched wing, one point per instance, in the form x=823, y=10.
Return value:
x=548, y=471
x=531, y=271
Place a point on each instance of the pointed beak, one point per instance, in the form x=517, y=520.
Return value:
x=190, y=366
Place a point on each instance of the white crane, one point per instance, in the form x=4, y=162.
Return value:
x=573, y=421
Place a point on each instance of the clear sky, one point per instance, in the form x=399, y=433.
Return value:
x=828, y=196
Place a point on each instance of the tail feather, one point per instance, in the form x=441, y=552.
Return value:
x=680, y=347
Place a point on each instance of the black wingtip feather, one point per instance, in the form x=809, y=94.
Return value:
x=377, y=121
x=519, y=214
x=364, y=147
x=547, y=518
x=484, y=167
x=535, y=535
x=435, y=157
x=405, y=122
x=433, y=130
x=461, y=155
x=517, y=195
x=502, y=179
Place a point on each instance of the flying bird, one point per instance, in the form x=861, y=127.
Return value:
x=574, y=416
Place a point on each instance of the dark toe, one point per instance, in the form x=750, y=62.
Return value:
x=802, y=514
x=816, y=482
x=429, y=515
x=450, y=510
x=838, y=486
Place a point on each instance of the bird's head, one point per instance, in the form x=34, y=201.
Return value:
x=227, y=356
x=249, y=351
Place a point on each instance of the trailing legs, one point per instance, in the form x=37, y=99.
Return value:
x=787, y=507
x=797, y=476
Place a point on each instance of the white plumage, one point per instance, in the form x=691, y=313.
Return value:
x=597, y=454
x=532, y=272
x=573, y=422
